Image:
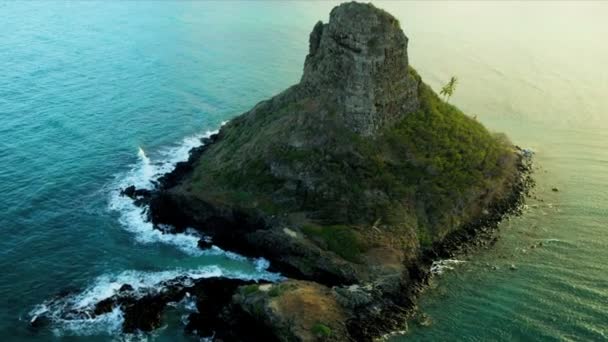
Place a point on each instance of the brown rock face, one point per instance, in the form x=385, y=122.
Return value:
x=359, y=61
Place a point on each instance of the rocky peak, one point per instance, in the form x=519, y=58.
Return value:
x=359, y=62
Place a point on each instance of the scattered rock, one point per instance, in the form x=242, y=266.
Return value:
x=512, y=267
x=204, y=244
x=536, y=245
x=290, y=233
x=144, y=314
x=39, y=321
x=140, y=197
x=105, y=306
x=423, y=320
x=353, y=296
x=125, y=288
x=128, y=191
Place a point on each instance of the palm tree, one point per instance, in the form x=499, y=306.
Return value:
x=448, y=89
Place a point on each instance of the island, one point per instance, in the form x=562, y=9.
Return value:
x=350, y=183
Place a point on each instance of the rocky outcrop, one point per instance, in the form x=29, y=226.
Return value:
x=350, y=182
x=295, y=310
x=359, y=60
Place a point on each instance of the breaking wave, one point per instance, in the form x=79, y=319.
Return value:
x=440, y=266
x=143, y=175
x=72, y=313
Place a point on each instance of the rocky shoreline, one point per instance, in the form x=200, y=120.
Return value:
x=221, y=316
x=217, y=316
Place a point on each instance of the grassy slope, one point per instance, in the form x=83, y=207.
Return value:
x=425, y=174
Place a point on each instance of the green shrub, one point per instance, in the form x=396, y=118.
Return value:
x=321, y=330
x=279, y=289
x=249, y=289
x=339, y=239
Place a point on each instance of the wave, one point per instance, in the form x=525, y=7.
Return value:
x=440, y=266
x=143, y=175
x=72, y=314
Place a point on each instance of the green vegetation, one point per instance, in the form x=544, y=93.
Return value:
x=450, y=157
x=424, y=237
x=339, y=239
x=279, y=289
x=321, y=330
x=451, y=146
x=257, y=309
x=448, y=89
x=249, y=289
x=424, y=173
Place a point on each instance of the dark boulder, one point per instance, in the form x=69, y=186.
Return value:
x=128, y=191
x=144, y=314
x=204, y=244
x=105, y=306
x=39, y=321
x=140, y=197
x=125, y=288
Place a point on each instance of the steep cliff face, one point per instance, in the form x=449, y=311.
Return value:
x=359, y=61
x=343, y=180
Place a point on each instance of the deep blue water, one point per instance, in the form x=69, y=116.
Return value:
x=96, y=95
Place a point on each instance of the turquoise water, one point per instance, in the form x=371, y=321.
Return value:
x=95, y=95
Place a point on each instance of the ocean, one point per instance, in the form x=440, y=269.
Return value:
x=98, y=95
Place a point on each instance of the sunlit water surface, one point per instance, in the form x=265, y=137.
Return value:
x=95, y=95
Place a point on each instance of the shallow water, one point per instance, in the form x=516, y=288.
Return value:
x=95, y=95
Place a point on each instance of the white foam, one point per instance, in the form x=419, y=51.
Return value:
x=83, y=325
x=187, y=304
x=109, y=324
x=144, y=283
x=73, y=314
x=440, y=266
x=147, y=170
x=261, y=264
x=143, y=174
x=528, y=152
